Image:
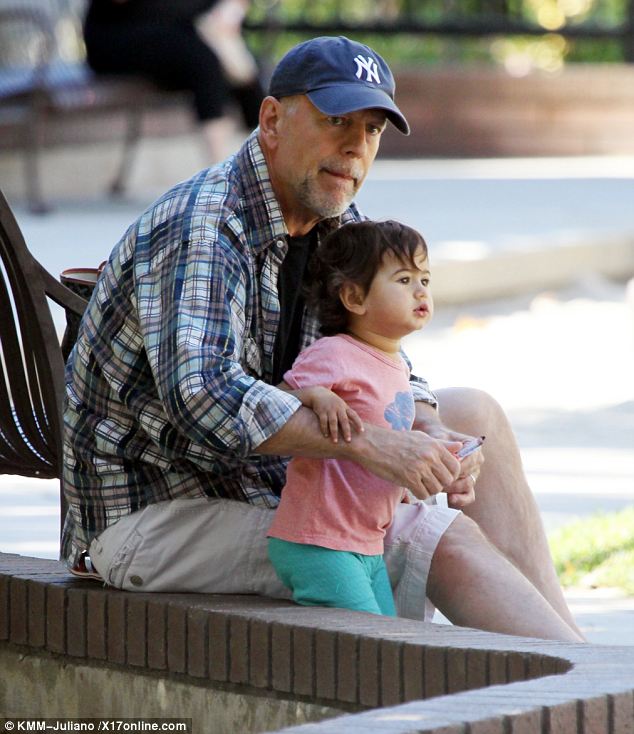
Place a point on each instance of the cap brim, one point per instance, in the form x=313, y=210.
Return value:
x=345, y=98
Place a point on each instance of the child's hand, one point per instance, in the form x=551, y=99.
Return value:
x=333, y=412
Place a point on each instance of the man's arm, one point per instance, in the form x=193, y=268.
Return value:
x=412, y=459
x=192, y=310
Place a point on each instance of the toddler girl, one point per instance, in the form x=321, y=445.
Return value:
x=370, y=287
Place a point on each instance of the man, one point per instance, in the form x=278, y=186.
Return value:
x=175, y=434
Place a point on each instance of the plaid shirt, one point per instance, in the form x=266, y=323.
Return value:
x=167, y=388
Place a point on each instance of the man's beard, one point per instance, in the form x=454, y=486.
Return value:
x=323, y=204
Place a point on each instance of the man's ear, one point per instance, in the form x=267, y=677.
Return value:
x=353, y=298
x=270, y=116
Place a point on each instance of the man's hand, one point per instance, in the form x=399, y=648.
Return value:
x=411, y=459
x=461, y=492
x=422, y=462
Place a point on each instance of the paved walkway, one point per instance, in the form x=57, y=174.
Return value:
x=560, y=361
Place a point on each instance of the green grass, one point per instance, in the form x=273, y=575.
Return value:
x=596, y=551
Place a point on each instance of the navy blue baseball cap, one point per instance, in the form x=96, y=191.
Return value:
x=338, y=76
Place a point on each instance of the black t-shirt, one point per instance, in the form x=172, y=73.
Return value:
x=290, y=292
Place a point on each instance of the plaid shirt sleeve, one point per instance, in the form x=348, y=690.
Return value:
x=193, y=311
x=420, y=387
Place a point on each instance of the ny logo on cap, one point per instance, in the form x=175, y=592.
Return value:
x=370, y=67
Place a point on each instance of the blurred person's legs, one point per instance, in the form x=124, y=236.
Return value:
x=221, y=29
x=175, y=57
x=504, y=509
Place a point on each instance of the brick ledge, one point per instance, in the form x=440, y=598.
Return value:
x=414, y=676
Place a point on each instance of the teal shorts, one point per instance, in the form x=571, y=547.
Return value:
x=330, y=578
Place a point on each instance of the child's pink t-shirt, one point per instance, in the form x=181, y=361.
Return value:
x=337, y=503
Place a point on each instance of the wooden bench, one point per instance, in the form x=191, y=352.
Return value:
x=72, y=647
x=39, y=85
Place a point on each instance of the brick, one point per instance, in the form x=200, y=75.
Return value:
x=37, y=613
x=413, y=672
x=347, y=667
x=4, y=607
x=534, y=666
x=282, y=658
x=391, y=673
x=218, y=646
x=56, y=618
x=450, y=729
x=369, y=671
x=594, y=715
x=487, y=726
x=76, y=623
x=621, y=706
x=435, y=672
x=176, y=638
x=562, y=718
x=115, y=614
x=18, y=611
x=96, y=625
x=325, y=664
x=15, y=565
x=136, y=631
x=477, y=673
x=260, y=654
x=456, y=670
x=238, y=650
x=527, y=722
x=304, y=661
x=197, y=643
x=516, y=666
x=156, y=635
x=553, y=666
x=497, y=670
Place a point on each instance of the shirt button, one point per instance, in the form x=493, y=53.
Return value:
x=136, y=581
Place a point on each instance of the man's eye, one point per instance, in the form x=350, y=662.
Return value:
x=337, y=121
x=375, y=129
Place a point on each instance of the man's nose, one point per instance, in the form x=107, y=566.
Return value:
x=355, y=142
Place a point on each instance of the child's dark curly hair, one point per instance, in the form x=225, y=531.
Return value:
x=354, y=253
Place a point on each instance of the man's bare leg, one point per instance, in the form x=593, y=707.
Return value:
x=504, y=508
x=475, y=586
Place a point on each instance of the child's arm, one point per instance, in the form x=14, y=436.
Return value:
x=333, y=412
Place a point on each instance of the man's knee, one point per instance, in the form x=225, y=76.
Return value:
x=469, y=410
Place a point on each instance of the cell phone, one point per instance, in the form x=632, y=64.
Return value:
x=470, y=446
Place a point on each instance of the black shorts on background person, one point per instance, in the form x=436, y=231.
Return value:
x=160, y=40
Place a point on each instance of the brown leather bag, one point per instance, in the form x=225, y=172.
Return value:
x=81, y=281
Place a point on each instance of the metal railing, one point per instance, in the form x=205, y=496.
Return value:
x=598, y=20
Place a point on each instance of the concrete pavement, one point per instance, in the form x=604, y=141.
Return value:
x=549, y=334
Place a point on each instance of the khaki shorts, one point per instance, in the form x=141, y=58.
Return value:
x=220, y=547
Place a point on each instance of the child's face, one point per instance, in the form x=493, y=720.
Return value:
x=399, y=300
